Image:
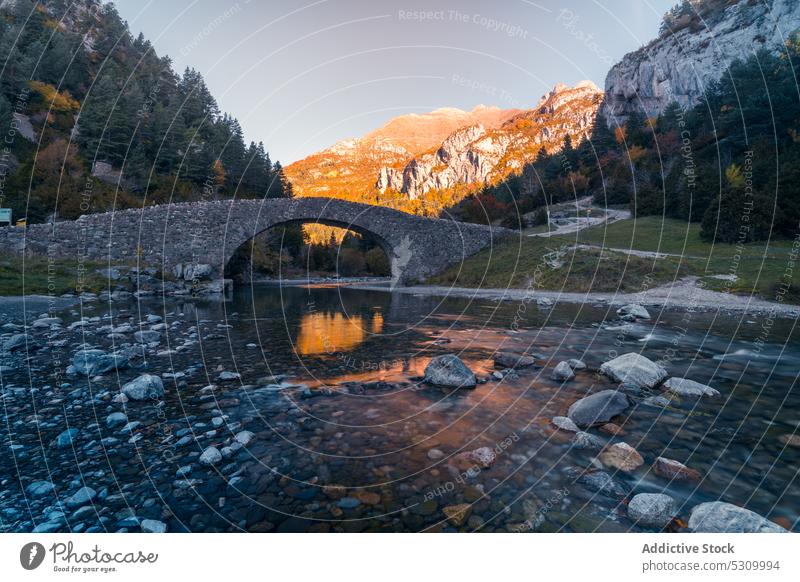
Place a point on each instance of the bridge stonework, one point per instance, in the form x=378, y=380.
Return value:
x=173, y=236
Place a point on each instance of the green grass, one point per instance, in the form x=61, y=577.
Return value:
x=759, y=267
x=529, y=261
x=38, y=277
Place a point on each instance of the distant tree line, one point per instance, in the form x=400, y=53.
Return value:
x=288, y=252
x=99, y=98
x=731, y=163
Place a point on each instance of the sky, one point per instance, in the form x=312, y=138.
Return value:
x=302, y=74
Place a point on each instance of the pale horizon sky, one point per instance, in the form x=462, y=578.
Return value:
x=302, y=74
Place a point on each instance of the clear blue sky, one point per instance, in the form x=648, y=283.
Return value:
x=302, y=74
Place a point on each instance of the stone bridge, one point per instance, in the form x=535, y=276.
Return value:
x=197, y=239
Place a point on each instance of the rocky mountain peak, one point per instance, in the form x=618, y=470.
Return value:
x=698, y=42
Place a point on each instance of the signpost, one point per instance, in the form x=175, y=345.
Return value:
x=5, y=216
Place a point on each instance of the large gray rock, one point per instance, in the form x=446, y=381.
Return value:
x=449, y=371
x=689, y=388
x=598, y=408
x=40, y=489
x=81, y=497
x=562, y=372
x=721, y=517
x=153, y=526
x=96, y=362
x=635, y=370
x=652, y=509
x=144, y=387
x=585, y=441
x=210, y=456
x=633, y=311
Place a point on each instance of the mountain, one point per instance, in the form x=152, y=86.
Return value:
x=421, y=162
x=699, y=39
x=349, y=168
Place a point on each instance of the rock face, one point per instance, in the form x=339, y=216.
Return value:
x=598, y=408
x=635, y=370
x=144, y=387
x=475, y=154
x=721, y=517
x=450, y=372
x=694, y=52
x=652, y=509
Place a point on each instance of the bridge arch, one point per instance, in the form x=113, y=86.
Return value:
x=174, y=236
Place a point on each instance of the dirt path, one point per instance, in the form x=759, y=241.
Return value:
x=578, y=223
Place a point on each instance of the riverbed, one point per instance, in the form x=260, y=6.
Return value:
x=313, y=398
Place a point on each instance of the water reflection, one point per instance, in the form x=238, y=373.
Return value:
x=331, y=333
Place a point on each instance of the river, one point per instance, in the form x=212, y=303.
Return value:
x=341, y=435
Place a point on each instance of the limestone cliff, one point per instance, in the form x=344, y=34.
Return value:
x=698, y=41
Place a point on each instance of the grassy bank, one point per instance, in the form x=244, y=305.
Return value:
x=554, y=265
x=39, y=277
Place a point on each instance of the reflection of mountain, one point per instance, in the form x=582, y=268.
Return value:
x=330, y=333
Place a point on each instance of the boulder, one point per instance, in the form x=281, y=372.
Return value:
x=116, y=419
x=153, y=526
x=576, y=364
x=721, y=517
x=210, y=456
x=144, y=387
x=81, y=497
x=228, y=376
x=457, y=515
x=674, y=470
x=564, y=423
x=484, y=457
x=689, y=388
x=634, y=369
x=633, y=311
x=585, y=441
x=598, y=408
x=67, y=438
x=19, y=341
x=147, y=336
x=96, y=362
x=450, y=372
x=600, y=482
x=506, y=360
x=40, y=489
x=622, y=456
x=46, y=322
x=652, y=509
x=562, y=372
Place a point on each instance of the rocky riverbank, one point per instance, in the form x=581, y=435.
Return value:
x=132, y=418
x=681, y=295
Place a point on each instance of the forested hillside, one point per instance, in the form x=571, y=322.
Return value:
x=94, y=120
x=731, y=163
